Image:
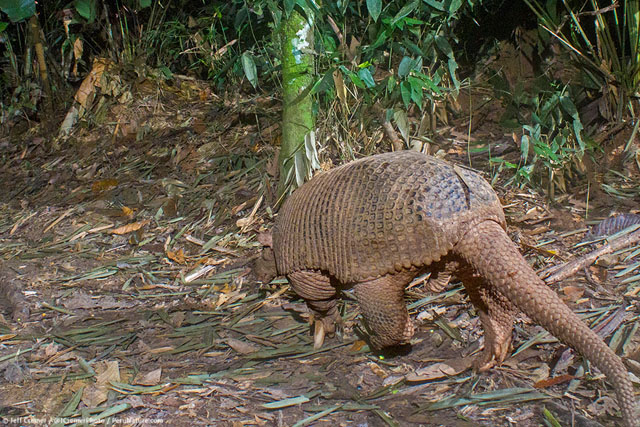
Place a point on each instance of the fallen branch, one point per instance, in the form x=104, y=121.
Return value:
x=570, y=268
x=388, y=129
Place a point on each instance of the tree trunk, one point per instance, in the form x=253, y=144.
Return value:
x=298, y=153
x=34, y=27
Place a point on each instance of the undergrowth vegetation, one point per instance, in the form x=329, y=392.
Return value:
x=379, y=64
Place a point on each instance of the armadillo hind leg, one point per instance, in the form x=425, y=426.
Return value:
x=382, y=305
x=496, y=259
x=497, y=315
x=441, y=273
x=320, y=296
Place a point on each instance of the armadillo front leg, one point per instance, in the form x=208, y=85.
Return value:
x=319, y=294
x=497, y=315
x=382, y=304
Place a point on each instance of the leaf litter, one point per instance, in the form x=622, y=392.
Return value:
x=131, y=250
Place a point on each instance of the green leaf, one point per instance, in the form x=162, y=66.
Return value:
x=453, y=66
x=288, y=7
x=416, y=90
x=356, y=80
x=428, y=83
x=416, y=96
x=454, y=6
x=405, y=67
x=577, y=130
x=374, y=7
x=323, y=84
x=366, y=77
x=249, y=67
x=87, y=9
x=435, y=4
x=17, y=10
x=406, y=9
x=405, y=91
x=3, y=26
x=444, y=46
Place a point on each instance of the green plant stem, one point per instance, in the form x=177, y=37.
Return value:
x=297, y=115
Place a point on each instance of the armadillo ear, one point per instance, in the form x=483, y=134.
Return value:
x=266, y=239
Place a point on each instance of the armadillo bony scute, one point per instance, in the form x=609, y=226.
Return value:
x=376, y=223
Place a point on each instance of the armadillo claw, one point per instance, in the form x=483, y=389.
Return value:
x=318, y=334
x=494, y=354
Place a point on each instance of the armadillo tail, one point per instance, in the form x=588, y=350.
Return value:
x=495, y=257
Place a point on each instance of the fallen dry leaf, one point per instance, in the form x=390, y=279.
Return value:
x=573, y=293
x=150, y=378
x=96, y=393
x=241, y=346
x=376, y=369
x=104, y=185
x=127, y=212
x=177, y=256
x=433, y=372
x=128, y=228
x=553, y=381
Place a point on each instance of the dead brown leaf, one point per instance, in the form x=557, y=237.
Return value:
x=553, y=381
x=128, y=228
x=96, y=393
x=573, y=293
x=433, y=372
x=241, y=346
x=150, y=378
x=103, y=185
x=177, y=256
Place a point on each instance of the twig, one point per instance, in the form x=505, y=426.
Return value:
x=389, y=131
x=572, y=267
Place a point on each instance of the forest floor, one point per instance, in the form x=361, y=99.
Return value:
x=130, y=244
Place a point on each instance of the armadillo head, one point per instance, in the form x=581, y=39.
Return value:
x=264, y=267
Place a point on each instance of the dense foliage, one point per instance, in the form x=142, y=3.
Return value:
x=401, y=58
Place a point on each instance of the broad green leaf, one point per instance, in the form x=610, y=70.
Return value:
x=436, y=4
x=568, y=106
x=3, y=26
x=145, y=3
x=87, y=9
x=406, y=9
x=453, y=66
x=577, y=130
x=405, y=67
x=366, y=77
x=356, y=80
x=416, y=90
x=412, y=47
x=416, y=96
x=324, y=83
x=430, y=84
x=374, y=7
x=288, y=7
x=249, y=67
x=380, y=40
x=391, y=83
x=17, y=10
x=444, y=46
x=454, y=6
x=405, y=91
